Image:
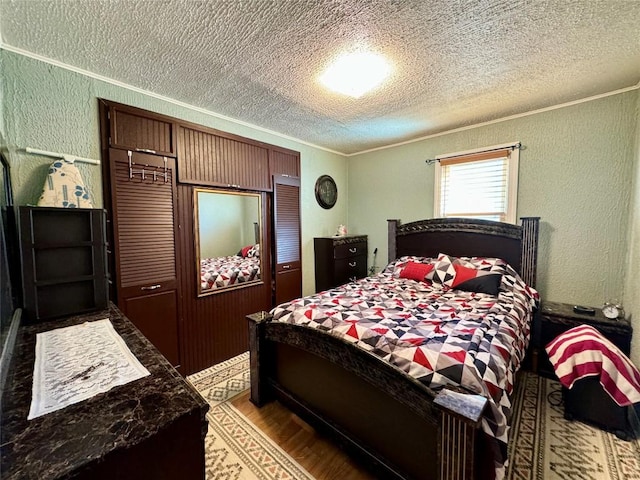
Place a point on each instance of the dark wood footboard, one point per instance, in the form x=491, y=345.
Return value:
x=392, y=422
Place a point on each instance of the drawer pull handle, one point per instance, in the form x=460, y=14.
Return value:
x=353, y=250
x=286, y=267
x=352, y=264
x=151, y=287
x=352, y=279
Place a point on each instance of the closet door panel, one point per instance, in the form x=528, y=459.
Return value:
x=288, y=264
x=210, y=159
x=155, y=314
x=131, y=130
x=144, y=246
x=288, y=285
x=284, y=162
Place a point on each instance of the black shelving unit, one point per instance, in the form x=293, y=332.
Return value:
x=63, y=253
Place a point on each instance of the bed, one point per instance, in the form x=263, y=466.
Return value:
x=221, y=272
x=389, y=397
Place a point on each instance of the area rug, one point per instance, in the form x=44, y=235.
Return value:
x=234, y=448
x=543, y=444
x=546, y=446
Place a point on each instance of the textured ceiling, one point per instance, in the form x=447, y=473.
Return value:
x=456, y=63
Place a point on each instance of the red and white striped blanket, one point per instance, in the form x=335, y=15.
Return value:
x=583, y=352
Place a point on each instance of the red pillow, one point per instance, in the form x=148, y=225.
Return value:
x=416, y=271
x=479, y=281
x=463, y=274
x=245, y=251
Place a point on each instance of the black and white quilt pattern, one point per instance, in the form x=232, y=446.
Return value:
x=222, y=272
x=437, y=335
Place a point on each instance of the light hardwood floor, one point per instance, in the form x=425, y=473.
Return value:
x=321, y=458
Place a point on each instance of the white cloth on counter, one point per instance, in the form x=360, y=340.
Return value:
x=78, y=362
x=64, y=187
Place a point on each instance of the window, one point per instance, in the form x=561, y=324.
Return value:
x=478, y=184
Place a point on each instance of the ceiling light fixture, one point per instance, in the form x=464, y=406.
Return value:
x=355, y=74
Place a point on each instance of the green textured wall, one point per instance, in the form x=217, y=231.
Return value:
x=576, y=173
x=632, y=290
x=54, y=109
x=2, y=102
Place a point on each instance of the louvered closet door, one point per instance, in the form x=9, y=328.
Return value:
x=288, y=265
x=143, y=211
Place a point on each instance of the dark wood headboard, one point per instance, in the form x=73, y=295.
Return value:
x=463, y=237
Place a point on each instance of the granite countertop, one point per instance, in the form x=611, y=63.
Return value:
x=65, y=442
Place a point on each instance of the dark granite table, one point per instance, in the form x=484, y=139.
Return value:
x=153, y=427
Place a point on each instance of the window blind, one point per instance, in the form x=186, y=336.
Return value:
x=476, y=185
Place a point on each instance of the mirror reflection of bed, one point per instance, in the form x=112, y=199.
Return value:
x=228, y=232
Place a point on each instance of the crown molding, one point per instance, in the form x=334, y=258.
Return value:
x=149, y=93
x=503, y=119
x=194, y=108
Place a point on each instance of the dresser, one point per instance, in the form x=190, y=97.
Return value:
x=339, y=260
x=153, y=427
x=555, y=318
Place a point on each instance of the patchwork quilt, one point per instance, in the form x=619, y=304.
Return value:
x=437, y=334
x=221, y=272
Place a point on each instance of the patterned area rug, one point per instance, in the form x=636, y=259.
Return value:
x=546, y=446
x=543, y=444
x=234, y=448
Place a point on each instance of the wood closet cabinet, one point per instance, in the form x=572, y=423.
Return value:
x=132, y=129
x=284, y=163
x=154, y=260
x=146, y=276
x=288, y=261
x=204, y=159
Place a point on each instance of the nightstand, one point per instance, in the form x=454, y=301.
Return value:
x=555, y=318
